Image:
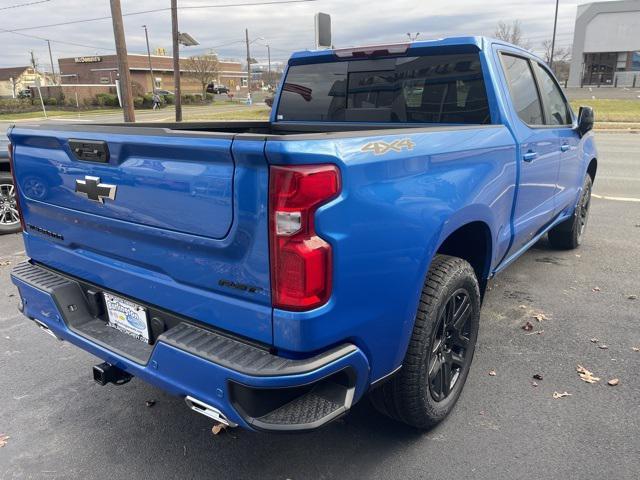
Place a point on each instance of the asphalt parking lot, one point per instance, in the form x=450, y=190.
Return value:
x=61, y=424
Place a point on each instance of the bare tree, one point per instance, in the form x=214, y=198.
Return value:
x=203, y=68
x=559, y=54
x=561, y=59
x=511, y=33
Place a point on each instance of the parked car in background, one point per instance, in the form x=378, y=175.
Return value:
x=217, y=89
x=9, y=216
x=274, y=272
x=26, y=93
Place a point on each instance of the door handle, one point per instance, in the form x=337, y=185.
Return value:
x=564, y=147
x=529, y=156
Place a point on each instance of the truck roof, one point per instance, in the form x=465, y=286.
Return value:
x=465, y=42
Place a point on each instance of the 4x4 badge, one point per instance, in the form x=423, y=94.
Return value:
x=94, y=190
x=380, y=148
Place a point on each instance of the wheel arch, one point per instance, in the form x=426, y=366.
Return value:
x=473, y=242
x=592, y=168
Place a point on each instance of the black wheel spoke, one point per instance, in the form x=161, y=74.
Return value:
x=449, y=345
x=434, y=368
x=445, y=379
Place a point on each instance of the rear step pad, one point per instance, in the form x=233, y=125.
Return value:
x=323, y=403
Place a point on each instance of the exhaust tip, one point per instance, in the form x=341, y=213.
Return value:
x=208, y=411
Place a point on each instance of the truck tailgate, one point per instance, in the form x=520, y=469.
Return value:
x=156, y=220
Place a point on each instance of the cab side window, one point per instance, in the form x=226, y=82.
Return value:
x=522, y=87
x=559, y=113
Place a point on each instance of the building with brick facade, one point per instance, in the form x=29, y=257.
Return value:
x=103, y=69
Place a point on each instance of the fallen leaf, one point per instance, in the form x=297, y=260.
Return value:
x=217, y=428
x=538, y=376
x=560, y=395
x=540, y=317
x=524, y=307
x=613, y=382
x=578, y=255
x=596, y=289
x=5, y=263
x=632, y=297
x=492, y=373
x=527, y=327
x=534, y=384
x=594, y=340
x=586, y=375
x=603, y=347
x=635, y=349
x=3, y=440
x=150, y=403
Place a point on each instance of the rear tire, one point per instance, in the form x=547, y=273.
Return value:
x=568, y=235
x=9, y=217
x=441, y=348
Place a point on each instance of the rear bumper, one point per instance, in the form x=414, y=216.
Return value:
x=251, y=386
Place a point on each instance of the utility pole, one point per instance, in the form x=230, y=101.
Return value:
x=153, y=80
x=53, y=71
x=123, y=62
x=553, y=39
x=246, y=34
x=35, y=71
x=176, y=59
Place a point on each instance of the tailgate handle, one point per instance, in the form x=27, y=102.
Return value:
x=90, y=150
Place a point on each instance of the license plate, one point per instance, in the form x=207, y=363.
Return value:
x=128, y=317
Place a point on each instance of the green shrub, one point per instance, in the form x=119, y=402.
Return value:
x=52, y=101
x=169, y=99
x=209, y=97
x=188, y=98
x=107, y=100
x=137, y=102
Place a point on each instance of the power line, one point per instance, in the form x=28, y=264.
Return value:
x=24, y=4
x=2, y=30
x=142, y=12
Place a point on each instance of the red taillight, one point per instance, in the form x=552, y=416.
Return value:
x=301, y=263
x=15, y=186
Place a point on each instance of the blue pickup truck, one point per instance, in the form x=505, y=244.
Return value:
x=274, y=272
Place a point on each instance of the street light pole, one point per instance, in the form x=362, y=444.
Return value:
x=246, y=34
x=176, y=60
x=269, y=61
x=553, y=39
x=153, y=80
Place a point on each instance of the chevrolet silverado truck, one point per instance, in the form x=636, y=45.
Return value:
x=272, y=273
x=9, y=216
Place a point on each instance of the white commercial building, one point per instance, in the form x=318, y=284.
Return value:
x=606, y=44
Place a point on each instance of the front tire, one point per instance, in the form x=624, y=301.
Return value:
x=441, y=348
x=9, y=216
x=568, y=235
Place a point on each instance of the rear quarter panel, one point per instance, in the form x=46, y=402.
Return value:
x=394, y=211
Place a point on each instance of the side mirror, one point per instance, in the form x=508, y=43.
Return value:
x=585, y=120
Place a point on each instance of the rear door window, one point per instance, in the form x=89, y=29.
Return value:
x=425, y=89
x=558, y=110
x=522, y=86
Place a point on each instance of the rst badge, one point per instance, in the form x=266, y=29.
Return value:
x=94, y=190
x=380, y=148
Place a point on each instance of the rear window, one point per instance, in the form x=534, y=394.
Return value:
x=425, y=89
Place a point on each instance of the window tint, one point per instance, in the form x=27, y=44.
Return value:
x=426, y=89
x=523, y=89
x=558, y=111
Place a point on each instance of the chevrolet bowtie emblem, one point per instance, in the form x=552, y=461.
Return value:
x=94, y=190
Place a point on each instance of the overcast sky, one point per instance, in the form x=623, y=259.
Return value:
x=285, y=27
